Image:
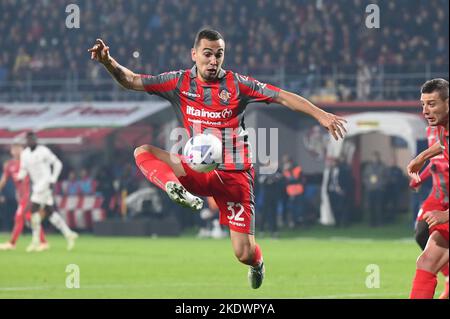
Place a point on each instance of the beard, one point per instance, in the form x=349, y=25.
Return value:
x=209, y=76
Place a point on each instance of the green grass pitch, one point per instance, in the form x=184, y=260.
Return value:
x=320, y=264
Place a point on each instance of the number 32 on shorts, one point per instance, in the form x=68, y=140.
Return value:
x=235, y=211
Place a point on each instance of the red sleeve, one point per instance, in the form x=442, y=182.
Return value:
x=254, y=91
x=424, y=175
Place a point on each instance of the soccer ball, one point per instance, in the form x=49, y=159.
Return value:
x=203, y=152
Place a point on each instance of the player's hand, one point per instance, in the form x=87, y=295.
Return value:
x=436, y=217
x=414, y=185
x=414, y=168
x=334, y=124
x=100, y=52
x=2, y=199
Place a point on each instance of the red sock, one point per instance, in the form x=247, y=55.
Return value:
x=42, y=236
x=424, y=285
x=444, y=294
x=257, y=257
x=155, y=170
x=18, y=227
x=444, y=270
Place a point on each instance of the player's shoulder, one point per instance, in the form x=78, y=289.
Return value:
x=432, y=133
x=441, y=129
x=6, y=164
x=247, y=79
x=238, y=75
x=41, y=147
x=174, y=73
x=11, y=165
x=228, y=72
x=164, y=76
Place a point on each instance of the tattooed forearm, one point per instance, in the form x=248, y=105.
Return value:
x=122, y=75
x=119, y=75
x=127, y=78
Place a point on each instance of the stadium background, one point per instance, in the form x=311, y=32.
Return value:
x=322, y=50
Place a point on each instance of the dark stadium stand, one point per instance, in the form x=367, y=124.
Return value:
x=319, y=48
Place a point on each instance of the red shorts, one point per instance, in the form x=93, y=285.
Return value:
x=233, y=192
x=430, y=205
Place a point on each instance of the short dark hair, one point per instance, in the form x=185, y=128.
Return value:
x=439, y=85
x=208, y=34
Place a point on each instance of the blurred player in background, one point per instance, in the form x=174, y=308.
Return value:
x=210, y=223
x=435, y=256
x=437, y=169
x=43, y=168
x=11, y=170
x=224, y=96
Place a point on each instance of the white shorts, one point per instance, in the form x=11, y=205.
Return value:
x=44, y=197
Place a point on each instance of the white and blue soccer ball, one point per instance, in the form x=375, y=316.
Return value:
x=203, y=152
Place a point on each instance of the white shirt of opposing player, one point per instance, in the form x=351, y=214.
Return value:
x=41, y=165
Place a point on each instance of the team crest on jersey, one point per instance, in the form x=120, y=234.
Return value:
x=224, y=95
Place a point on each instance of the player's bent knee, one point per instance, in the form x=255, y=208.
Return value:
x=142, y=149
x=426, y=261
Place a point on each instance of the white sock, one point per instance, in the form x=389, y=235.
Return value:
x=60, y=224
x=36, y=228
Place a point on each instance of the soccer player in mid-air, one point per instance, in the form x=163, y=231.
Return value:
x=434, y=100
x=213, y=98
x=437, y=200
x=22, y=187
x=43, y=167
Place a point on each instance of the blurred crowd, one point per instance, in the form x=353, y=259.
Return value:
x=305, y=37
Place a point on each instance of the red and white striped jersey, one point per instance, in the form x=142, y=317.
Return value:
x=439, y=168
x=443, y=140
x=216, y=107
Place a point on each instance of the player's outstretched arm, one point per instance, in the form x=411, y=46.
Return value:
x=417, y=163
x=4, y=178
x=333, y=123
x=424, y=175
x=127, y=78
